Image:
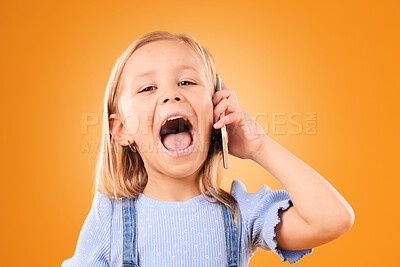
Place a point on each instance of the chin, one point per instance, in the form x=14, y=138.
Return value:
x=182, y=170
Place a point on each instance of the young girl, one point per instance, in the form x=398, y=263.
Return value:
x=158, y=199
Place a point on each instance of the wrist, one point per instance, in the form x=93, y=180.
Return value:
x=261, y=152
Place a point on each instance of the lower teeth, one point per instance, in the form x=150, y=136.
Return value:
x=180, y=151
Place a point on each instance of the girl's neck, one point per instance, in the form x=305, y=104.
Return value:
x=165, y=188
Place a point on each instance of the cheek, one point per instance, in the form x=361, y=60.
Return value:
x=209, y=108
x=139, y=120
x=133, y=122
x=205, y=109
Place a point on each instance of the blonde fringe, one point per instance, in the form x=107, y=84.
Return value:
x=121, y=173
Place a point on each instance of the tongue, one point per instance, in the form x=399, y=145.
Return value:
x=177, y=141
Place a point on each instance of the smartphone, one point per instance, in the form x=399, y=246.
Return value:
x=223, y=135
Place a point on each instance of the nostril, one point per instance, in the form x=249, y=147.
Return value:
x=176, y=98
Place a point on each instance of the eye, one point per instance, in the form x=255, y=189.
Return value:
x=145, y=89
x=186, y=81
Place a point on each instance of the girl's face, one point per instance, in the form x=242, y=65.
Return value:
x=160, y=79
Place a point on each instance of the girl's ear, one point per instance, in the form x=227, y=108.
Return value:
x=118, y=130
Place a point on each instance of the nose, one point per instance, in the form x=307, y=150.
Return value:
x=172, y=95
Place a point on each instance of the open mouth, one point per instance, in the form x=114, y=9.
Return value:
x=176, y=135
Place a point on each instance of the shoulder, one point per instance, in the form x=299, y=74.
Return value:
x=239, y=190
x=257, y=208
x=103, y=199
x=253, y=205
x=102, y=206
x=260, y=212
x=100, y=214
x=93, y=244
x=240, y=193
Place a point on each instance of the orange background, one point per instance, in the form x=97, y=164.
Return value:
x=338, y=60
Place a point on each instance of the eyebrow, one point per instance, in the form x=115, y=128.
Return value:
x=152, y=72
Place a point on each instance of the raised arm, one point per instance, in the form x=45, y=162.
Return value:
x=319, y=213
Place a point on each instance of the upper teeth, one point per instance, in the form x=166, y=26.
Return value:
x=173, y=118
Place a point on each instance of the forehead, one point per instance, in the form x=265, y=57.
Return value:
x=162, y=55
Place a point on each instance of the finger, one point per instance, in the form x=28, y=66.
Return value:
x=223, y=86
x=226, y=93
x=226, y=106
x=234, y=117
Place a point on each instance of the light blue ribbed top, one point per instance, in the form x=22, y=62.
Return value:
x=182, y=233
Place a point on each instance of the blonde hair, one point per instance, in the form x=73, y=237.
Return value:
x=121, y=173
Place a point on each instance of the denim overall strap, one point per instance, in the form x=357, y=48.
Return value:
x=231, y=237
x=129, y=232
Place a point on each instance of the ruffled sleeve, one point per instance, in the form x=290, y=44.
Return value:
x=260, y=214
x=93, y=246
